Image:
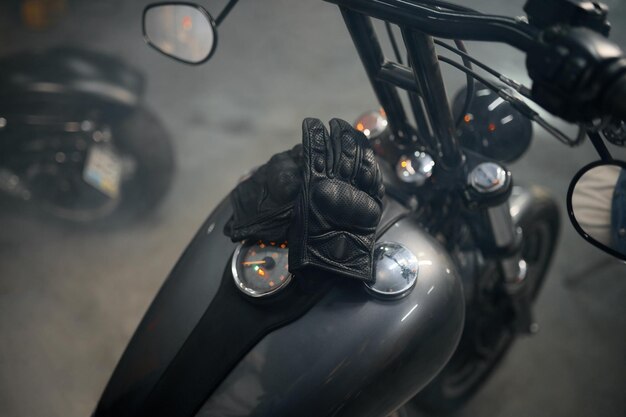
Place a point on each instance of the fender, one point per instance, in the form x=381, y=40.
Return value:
x=332, y=360
x=62, y=72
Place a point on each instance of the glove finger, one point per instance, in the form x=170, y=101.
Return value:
x=346, y=138
x=369, y=178
x=315, y=146
x=379, y=186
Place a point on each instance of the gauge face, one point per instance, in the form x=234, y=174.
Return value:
x=260, y=268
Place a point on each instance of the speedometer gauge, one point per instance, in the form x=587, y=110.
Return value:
x=260, y=268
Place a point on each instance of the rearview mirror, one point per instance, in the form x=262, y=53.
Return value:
x=182, y=31
x=596, y=203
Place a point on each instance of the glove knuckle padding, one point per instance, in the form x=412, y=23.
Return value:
x=318, y=164
x=346, y=169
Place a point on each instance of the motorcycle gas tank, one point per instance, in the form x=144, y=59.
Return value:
x=353, y=354
x=348, y=354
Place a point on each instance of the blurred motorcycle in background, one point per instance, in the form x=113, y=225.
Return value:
x=76, y=139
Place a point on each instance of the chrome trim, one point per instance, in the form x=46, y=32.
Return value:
x=372, y=124
x=397, y=278
x=416, y=168
x=487, y=177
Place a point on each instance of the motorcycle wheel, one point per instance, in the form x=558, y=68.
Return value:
x=488, y=332
x=141, y=138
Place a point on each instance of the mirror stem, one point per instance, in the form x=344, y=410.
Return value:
x=598, y=143
x=225, y=12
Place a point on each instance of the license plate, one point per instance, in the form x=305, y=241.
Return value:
x=103, y=170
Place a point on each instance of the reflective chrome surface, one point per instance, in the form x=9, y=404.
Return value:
x=415, y=168
x=487, y=177
x=396, y=270
x=372, y=124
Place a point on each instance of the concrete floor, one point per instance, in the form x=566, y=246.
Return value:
x=70, y=299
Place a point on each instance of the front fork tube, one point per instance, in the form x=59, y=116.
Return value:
x=506, y=244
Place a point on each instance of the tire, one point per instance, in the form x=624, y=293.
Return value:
x=473, y=362
x=141, y=138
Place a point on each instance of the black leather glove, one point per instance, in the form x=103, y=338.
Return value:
x=340, y=203
x=263, y=203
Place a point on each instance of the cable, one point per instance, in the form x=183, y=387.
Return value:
x=469, y=96
x=519, y=87
x=467, y=59
x=519, y=105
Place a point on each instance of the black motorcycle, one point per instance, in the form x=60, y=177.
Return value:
x=461, y=253
x=76, y=139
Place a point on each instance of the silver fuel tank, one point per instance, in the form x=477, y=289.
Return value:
x=347, y=354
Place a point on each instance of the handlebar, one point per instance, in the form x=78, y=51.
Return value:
x=447, y=24
x=577, y=73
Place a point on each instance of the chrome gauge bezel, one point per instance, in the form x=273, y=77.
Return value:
x=404, y=286
x=241, y=286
